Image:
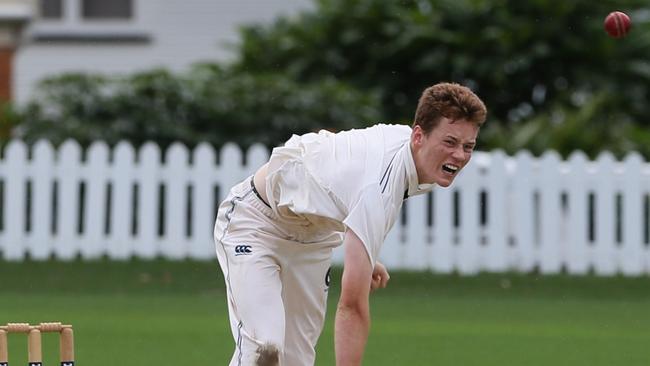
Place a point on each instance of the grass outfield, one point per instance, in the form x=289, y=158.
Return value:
x=160, y=312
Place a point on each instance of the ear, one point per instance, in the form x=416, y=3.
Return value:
x=417, y=135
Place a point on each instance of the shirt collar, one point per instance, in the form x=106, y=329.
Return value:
x=414, y=188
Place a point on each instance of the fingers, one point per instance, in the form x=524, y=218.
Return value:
x=384, y=280
x=380, y=277
x=379, y=281
x=374, y=284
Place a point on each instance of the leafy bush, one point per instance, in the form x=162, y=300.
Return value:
x=9, y=119
x=208, y=103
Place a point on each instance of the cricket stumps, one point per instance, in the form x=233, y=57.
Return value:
x=34, y=345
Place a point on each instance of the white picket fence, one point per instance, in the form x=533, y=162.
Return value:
x=503, y=213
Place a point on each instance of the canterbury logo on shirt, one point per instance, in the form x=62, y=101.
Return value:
x=243, y=250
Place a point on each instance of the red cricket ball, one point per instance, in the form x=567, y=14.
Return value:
x=617, y=24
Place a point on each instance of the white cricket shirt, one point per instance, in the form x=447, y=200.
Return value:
x=356, y=179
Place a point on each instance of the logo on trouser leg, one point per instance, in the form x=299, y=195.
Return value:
x=243, y=250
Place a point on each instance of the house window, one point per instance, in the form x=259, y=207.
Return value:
x=102, y=9
x=51, y=9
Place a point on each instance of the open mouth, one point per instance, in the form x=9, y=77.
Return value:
x=450, y=168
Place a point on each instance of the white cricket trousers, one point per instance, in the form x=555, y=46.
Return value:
x=277, y=280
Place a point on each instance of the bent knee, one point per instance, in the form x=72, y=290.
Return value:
x=268, y=355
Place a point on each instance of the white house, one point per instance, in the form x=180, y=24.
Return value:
x=122, y=36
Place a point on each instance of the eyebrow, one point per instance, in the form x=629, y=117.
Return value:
x=473, y=142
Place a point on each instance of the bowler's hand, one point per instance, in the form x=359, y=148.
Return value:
x=380, y=277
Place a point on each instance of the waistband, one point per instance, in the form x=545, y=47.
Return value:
x=256, y=200
x=258, y=193
x=297, y=230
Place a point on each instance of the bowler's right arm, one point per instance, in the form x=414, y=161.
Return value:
x=352, y=322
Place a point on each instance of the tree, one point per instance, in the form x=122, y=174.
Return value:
x=523, y=58
x=549, y=74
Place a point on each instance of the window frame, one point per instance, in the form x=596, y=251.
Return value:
x=46, y=15
x=86, y=15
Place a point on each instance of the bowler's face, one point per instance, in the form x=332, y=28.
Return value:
x=440, y=155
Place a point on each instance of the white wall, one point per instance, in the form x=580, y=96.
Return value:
x=182, y=32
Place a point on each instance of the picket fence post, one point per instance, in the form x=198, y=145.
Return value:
x=40, y=246
x=14, y=246
x=577, y=255
x=95, y=209
x=605, y=217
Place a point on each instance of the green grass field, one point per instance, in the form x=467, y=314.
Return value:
x=161, y=312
